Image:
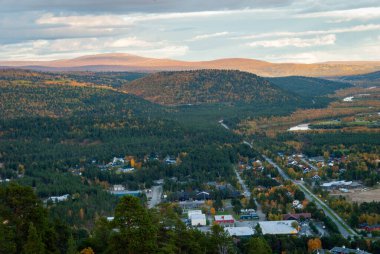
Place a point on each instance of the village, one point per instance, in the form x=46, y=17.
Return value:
x=260, y=202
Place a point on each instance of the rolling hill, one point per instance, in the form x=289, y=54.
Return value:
x=207, y=86
x=307, y=86
x=34, y=94
x=128, y=62
x=370, y=79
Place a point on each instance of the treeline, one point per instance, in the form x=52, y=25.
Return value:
x=27, y=228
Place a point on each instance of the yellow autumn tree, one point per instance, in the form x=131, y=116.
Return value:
x=87, y=250
x=314, y=244
x=132, y=162
x=81, y=213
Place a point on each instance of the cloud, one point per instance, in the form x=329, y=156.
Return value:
x=130, y=19
x=352, y=29
x=82, y=21
x=133, y=6
x=368, y=52
x=208, y=36
x=345, y=15
x=50, y=49
x=295, y=42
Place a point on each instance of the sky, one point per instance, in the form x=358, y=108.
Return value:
x=302, y=31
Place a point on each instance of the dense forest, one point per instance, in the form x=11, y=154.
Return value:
x=208, y=86
x=308, y=87
x=366, y=80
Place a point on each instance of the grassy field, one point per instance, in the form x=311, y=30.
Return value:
x=361, y=196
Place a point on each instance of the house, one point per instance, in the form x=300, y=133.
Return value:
x=296, y=202
x=196, y=217
x=202, y=195
x=336, y=184
x=296, y=216
x=125, y=170
x=316, y=178
x=283, y=227
x=56, y=199
x=239, y=231
x=198, y=220
x=192, y=212
x=117, y=161
x=117, y=187
x=170, y=160
x=225, y=220
x=344, y=250
x=372, y=228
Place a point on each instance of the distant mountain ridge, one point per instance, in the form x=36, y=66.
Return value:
x=128, y=62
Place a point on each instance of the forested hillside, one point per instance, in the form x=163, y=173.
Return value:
x=208, y=86
x=308, y=87
x=370, y=79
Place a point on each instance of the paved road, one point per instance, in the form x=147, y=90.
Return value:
x=344, y=229
x=248, y=194
x=156, y=196
x=224, y=125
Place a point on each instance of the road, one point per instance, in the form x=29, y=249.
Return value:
x=343, y=227
x=248, y=194
x=309, y=164
x=224, y=125
x=155, y=195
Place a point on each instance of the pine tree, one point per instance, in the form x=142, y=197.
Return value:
x=258, y=245
x=71, y=246
x=34, y=244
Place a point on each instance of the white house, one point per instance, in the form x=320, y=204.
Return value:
x=198, y=220
x=57, y=199
x=191, y=212
x=118, y=187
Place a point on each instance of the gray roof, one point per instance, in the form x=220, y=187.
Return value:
x=347, y=250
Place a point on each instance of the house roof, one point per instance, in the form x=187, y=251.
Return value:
x=239, y=231
x=190, y=213
x=283, y=227
x=226, y=217
x=296, y=216
x=198, y=217
x=337, y=183
x=343, y=250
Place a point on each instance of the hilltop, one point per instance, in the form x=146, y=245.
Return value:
x=207, y=86
x=128, y=62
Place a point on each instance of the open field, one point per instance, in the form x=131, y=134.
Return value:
x=358, y=114
x=363, y=196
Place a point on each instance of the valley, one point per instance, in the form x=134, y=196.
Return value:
x=176, y=143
